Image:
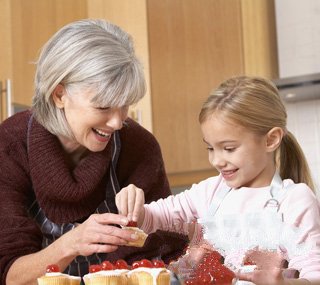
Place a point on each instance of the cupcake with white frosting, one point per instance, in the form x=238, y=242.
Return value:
x=106, y=273
x=53, y=276
x=145, y=272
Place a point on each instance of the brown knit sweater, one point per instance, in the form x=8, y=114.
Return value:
x=69, y=195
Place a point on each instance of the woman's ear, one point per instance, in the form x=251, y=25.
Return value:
x=274, y=138
x=58, y=96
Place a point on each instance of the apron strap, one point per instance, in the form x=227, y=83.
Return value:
x=277, y=192
x=51, y=231
x=220, y=195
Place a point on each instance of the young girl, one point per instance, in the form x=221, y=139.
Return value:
x=261, y=167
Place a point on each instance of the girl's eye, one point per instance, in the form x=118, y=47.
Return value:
x=209, y=148
x=230, y=149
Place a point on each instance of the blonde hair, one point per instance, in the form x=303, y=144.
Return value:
x=90, y=55
x=255, y=104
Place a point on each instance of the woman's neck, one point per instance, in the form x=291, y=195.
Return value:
x=74, y=152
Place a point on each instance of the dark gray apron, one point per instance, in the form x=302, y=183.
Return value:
x=52, y=231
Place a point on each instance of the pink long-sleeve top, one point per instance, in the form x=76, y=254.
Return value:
x=299, y=207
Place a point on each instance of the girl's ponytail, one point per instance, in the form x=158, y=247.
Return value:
x=293, y=163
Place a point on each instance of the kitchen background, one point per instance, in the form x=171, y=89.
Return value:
x=298, y=42
x=187, y=48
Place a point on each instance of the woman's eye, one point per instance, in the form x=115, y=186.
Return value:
x=103, y=108
x=229, y=149
x=209, y=148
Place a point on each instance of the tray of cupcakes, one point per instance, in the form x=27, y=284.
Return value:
x=142, y=272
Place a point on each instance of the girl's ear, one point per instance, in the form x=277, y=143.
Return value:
x=274, y=138
x=58, y=96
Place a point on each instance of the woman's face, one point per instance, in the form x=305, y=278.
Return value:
x=91, y=125
x=242, y=157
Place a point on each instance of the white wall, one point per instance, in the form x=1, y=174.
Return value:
x=304, y=123
x=298, y=36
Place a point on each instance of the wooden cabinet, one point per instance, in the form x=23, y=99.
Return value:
x=131, y=15
x=5, y=54
x=193, y=46
x=25, y=26
x=187, y=47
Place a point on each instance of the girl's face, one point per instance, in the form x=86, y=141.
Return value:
x=241, y=156
x=91, y=125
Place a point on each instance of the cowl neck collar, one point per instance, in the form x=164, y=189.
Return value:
x=63, y=193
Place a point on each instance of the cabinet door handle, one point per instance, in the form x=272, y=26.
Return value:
x=1, y=115
x=9, y=98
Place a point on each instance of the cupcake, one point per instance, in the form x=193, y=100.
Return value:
x=145, y=272
x=53, y=276
x=107, y=274
x=74, y=280
x=142, y=236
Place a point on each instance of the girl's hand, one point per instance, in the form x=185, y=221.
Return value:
x=269, y=269
x=98, y=234
x=130, y=201
x=263, y=276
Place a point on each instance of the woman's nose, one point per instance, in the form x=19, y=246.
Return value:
x=116, y=119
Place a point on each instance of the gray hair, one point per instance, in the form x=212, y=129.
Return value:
x=90, y=54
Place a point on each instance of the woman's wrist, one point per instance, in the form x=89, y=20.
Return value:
x=66, y=247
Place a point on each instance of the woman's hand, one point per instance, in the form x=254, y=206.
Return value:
x=98, y=234
x=130, y=201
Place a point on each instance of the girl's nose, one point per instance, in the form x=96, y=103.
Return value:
x=217, y=161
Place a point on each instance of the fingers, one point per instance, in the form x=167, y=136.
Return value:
x=108, y=233
x=98, y=234
x=262, y=277
x=244, y=277
x=109, y=218
x=265, y=259
x=138, y=204
x=121, y=201
x=103, y=248
x=129, y=201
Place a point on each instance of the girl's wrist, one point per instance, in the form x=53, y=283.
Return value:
x=141, y=217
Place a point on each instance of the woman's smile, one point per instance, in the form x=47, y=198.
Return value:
x=101, y=136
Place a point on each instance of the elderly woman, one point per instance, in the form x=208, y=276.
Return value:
x=63, y=161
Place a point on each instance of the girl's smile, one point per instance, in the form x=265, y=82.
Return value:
x=241, y=156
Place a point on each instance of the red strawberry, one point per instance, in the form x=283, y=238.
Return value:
x=136, y=264
x=146, y=263
x=223, y=275
x=132, y=224
x=121, y=264
x=52, y=268
x=158, y=263
x=204, y=278
x=190, y=282
x=94, y=268
x=211, y=271
x=106, y=265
